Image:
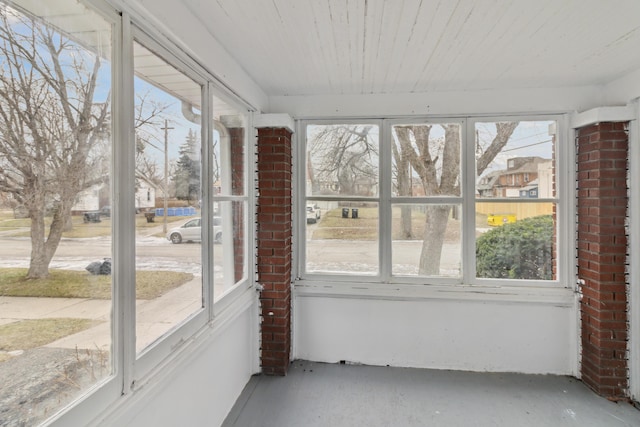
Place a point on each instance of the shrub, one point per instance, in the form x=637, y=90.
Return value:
x=520, y=250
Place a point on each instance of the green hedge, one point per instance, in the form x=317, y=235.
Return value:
x=519, y=250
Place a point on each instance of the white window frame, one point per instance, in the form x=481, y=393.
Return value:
x=164, y=345
x=378, y=285
x=300, y=247
x=131, y=372
x=171, y=342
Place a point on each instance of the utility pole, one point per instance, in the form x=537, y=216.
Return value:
x=165, y=211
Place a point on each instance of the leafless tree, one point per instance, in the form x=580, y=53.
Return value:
x=441, y=176
x=343, y=154
x=50, y=122
x=149, y=118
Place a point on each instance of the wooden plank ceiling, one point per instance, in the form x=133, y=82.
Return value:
x=294, y=47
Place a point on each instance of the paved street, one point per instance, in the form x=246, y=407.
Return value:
x=76, y=254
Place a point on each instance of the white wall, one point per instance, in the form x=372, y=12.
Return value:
x=202, y=387
x=623, y=90
x=472, y=335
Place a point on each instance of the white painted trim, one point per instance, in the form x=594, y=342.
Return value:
x=123, y=231
x=447, y=104
x=634, y=254
x=561, y=297
x=568, y=234
x=602, y=114
x=261, y=121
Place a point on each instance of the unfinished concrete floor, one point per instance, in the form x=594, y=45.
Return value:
x=333, y=395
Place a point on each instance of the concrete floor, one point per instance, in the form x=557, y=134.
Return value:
x=328, y=395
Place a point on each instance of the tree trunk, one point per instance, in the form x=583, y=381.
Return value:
x=43, y=249
x=437, y=218
x=404, y=189
x=68, y=223
x=39, y=264
x=406, y=229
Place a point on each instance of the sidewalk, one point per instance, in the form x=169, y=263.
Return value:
x=154, y=317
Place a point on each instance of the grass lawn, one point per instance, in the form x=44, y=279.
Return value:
x=32, y=333
x=365, y=227
x=81, y=229
x=333, y=226
x=82, y=284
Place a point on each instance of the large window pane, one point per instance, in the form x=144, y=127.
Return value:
x=419, y=247
x=515, y=240
x=515, y=168
x=515, y=159
x=342, y=160
x=229, y=208
x=168, y=197
x=55, y=245
x=426, y=163
x=426, y=160
x=229, y=259
x=342, y=237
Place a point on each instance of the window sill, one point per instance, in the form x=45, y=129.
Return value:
x=557, y=296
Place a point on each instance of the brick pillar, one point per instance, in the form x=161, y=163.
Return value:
x=602, y=244
x=274, y=247
x=236, y=137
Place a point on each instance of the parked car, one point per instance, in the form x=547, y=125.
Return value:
x=313, y=213
x=105, y=211
x=91, y=217
x=191, y=231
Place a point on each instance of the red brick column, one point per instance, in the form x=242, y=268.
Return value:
x=602, y=245
x=236, y=137
x=274, y=247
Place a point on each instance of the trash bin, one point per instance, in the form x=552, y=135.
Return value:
x=91, y=217
x=354, y=213
x=150, y=216
x=345, y=212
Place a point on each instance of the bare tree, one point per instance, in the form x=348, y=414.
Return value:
x=50, y=121
x=346, y=155
x=149, y=117
x=438, y=167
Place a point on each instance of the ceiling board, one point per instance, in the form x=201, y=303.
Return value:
x=329, y=47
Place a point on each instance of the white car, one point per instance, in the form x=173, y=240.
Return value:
x=313, y=214
x=191, y=231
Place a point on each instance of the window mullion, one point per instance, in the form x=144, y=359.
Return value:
x=384, y=205
x=468, y=178
x=124, y=201
x=206, y=186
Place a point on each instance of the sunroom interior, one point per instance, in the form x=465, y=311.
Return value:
x=501, y=112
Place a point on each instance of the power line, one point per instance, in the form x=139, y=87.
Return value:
x=530, y=145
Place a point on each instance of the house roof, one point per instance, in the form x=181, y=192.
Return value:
x=531, y=186
x=491, y=178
